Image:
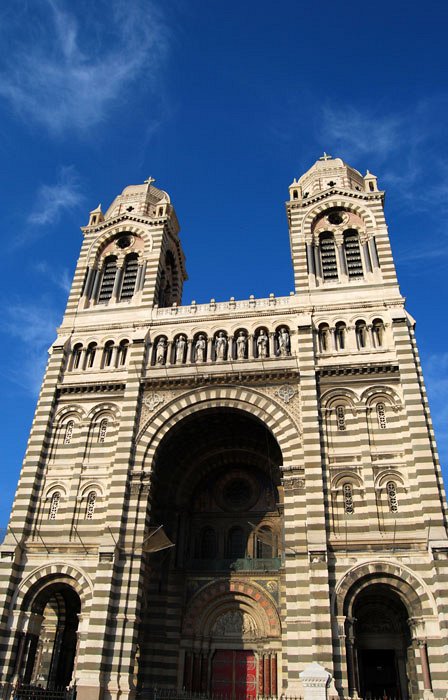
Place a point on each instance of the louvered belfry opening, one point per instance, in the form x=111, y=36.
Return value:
x=129, y=276
x=108, y=281
x=328, y=257
x=353, y=254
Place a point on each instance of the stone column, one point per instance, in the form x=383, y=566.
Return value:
x=271, y=344
x=373, y=254
x=315, y=680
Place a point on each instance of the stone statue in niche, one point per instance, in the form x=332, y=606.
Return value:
x=181, y=344
x=221, y=346
x=262, y=344
x=199, y=348
x=161, y=351
x=284, y=343
x=241, y=345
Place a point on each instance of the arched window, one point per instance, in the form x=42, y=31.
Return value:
x=347, y=490
x=353, y=254
x=54, y=505
x=340, y=418
x=324, y=337
x=328, y=257
x=236, y=543
x=69, y=432
x=122, y=352
x=90, y=355
x=102, y=431
x=90, y=506
x=108, y=281
x=208, y=543
x=378, y=332
x=108, y=353
x=129, y=276
x=76, y=355
x=264, y=543
x=340, y=332
x=361, y=334
x=391, y=491
x=381, y=415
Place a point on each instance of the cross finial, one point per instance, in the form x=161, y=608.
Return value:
x=150, y=180
x=325, y=157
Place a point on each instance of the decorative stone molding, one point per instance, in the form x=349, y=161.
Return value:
x=286, y=392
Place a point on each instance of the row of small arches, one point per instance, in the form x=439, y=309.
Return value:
x=337, y=338
x=92, y=356
x=221, y=346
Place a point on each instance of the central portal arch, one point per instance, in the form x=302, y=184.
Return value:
x=216, y=489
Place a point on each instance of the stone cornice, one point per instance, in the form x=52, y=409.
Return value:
x=93, y=388
x=366, y=196
x=236, y=377
x=339, y=371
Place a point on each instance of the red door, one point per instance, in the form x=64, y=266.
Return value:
x=234, y=675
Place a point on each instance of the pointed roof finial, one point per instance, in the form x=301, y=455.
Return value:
x=149, y=181
x=325, y=157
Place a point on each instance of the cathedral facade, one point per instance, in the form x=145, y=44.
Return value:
x=215, y=496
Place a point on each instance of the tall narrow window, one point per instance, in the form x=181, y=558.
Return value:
x=361, y=334
x=107, y=353
x=208, y=543
x=340, y=331
x=129, y=276
x=328, y=257
x=353, y=254
x=90, y=507
x=378, y=332
x=348, y=499
x=236, y=543
x=69, y=432
x=108, y=281
x=76, y=355
x=54, y=505
x=381, y=415
x=264, y=543
x=122, y=352
x=340, y=418
x=90, y=355
x=391, y=490
x=324, y=337
x=102, y=432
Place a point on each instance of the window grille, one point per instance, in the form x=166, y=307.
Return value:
x=264, y=543
x=391, y=490
x=381, y=416
x=103, y=430
x=129, y=277
x=90, y=508
x=69, y=432
x=340, y=417
x=108, y=281
x=328, y=257
x=54, y=505
x=348, y=499
x=353, y=255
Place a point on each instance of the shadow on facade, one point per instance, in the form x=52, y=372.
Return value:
x=211, y=623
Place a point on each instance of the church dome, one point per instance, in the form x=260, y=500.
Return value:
x=327, y=173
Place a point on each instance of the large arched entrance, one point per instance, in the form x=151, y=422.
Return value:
x=217, y=492
x=383, y=643
x=47, y=651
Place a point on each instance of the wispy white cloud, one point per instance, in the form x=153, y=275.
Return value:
x=60, y=277
x=32, y=326
x=436, y=379
x=53, y=200
x=64, y=70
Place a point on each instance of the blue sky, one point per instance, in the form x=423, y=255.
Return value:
x=224, y=105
